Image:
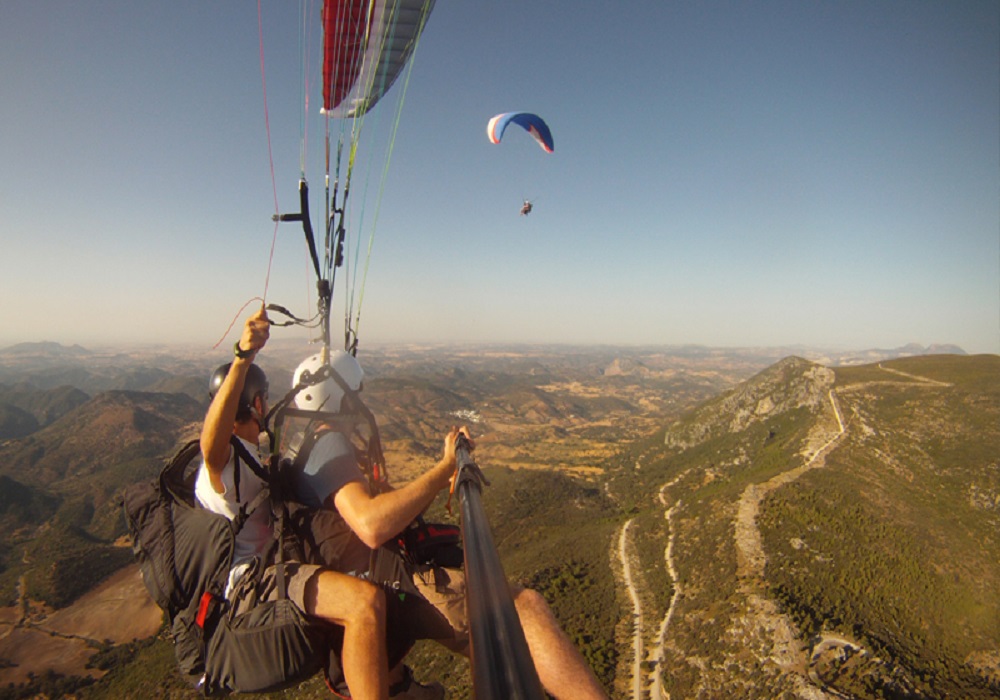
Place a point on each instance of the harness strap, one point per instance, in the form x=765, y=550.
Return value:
x=247, y=509
x=272, y=493
x=241, y=452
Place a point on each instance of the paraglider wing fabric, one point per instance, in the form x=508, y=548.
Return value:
x=366, y=45
x=495, y=128
x=343, y=39
x=532, y=123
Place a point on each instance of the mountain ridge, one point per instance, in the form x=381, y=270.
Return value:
x=821, y=517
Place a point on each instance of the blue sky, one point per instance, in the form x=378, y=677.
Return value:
x=725, y=173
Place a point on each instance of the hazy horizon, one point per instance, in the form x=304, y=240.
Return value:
x=284, y=344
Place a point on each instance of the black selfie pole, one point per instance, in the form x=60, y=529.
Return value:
x=502, y=668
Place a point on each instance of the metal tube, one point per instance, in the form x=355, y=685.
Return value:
x=502, y=668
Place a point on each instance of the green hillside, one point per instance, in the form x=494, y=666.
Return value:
x=61, y=486
x=852, y=549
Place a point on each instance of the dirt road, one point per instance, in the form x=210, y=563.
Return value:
x=636, y=615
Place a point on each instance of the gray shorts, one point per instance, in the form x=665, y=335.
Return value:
x=247, y=593
x=441, y=616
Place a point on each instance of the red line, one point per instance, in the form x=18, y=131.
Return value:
x=270, y=157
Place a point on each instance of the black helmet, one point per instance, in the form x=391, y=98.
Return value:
x=255, y=384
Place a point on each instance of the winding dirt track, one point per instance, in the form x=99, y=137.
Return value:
x=787, y=651
x=656, y=689
x=750, y=551
x=636, y=617
x=655, y=657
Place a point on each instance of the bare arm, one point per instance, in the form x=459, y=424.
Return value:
x=221, y=416
x=374, y=519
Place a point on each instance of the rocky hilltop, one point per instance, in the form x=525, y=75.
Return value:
x=790, y=384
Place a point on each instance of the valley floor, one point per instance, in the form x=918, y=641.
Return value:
x=36, y=640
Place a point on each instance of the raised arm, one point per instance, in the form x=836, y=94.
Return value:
x=220, y=419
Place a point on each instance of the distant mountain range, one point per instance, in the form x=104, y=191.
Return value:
x=43, y=349
x=55, y=351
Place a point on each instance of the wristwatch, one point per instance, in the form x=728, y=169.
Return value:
x=240, y=353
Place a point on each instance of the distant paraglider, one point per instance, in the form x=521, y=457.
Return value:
x=532, y=123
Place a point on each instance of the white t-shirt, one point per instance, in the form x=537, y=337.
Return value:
x=255, y=536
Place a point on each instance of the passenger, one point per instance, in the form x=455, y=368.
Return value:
x=239, y=403
x=376, y=516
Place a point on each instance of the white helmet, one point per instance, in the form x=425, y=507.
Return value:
x=326, y=395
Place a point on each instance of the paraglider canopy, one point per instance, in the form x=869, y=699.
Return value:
x=532, y=123
x=367, y=43
x=366, y=46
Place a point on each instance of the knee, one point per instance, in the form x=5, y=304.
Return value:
x=370, y=603
x=345, y=600
x=534, y=613
x=530, y=602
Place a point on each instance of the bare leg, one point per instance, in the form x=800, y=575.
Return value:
x=358, y=607
x=561, y=667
